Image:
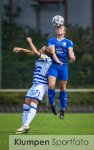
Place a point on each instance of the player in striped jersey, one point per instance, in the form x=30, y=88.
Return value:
x=36, y=92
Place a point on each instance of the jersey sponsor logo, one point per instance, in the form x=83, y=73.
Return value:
x=64, y=43
x=59, y=50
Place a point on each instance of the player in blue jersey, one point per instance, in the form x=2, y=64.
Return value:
x=63, y=48
x=36, y=92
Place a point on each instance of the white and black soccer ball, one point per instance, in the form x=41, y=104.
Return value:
x=57, y=21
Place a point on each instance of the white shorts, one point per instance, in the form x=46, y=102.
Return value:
x=37, y=91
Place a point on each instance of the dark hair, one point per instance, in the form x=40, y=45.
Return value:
x=47, y=53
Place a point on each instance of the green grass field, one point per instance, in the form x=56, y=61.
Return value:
x=46, y=124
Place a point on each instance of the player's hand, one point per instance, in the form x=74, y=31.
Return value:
x=72, y=58
x=61, y=63
x=29, y=39
x=17, y=49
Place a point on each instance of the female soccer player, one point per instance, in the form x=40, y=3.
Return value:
x=36, y=92
x=63, y=48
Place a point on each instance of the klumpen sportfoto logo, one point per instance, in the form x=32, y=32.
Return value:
x=46, y=142
x=55, y=142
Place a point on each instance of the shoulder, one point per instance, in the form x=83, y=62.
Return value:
x=68, y=42
x=45, y=58
x=52, y=39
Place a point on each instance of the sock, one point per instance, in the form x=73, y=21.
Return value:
x=26, y=109
x=31, y=114
x=63, y=99
x=51, y=95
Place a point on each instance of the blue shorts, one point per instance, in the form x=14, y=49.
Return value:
x=59, y=71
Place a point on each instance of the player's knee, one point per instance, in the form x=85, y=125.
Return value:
x=51, y=85
x=34, y=104
x=62, y=88
x=51, y=82
x=27, y=101
x=35, y=101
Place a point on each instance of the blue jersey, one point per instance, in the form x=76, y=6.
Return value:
x=61, y=48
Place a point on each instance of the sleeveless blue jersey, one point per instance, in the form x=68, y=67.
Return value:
x=61, y=48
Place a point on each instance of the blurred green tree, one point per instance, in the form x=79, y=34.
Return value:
x=17, y=69
x=82, y=71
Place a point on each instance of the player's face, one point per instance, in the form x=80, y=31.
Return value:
x=60, y=30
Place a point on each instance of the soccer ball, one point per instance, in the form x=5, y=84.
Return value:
x=57, y=21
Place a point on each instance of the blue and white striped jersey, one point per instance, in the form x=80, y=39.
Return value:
x=41, y=69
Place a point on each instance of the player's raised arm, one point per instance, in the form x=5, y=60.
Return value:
x=19, y=49
x=52, y=52
x=36, y=52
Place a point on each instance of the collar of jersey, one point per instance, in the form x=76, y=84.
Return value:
x=61, y=39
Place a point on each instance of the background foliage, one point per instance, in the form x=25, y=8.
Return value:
x=17, y=69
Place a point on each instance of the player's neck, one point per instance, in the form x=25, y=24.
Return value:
x=60, y=36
